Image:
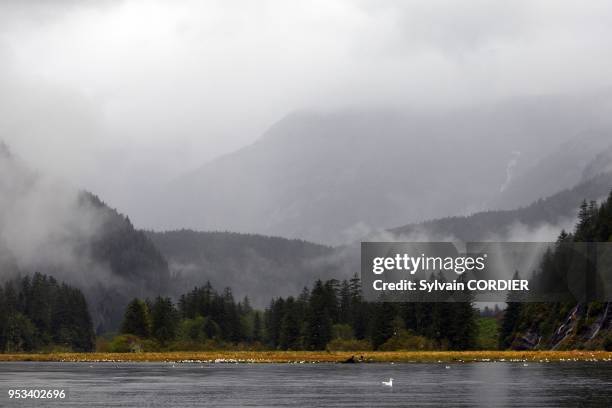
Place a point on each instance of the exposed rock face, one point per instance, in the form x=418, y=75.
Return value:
x=602, y=323
x=568, y=327
x=585, y=326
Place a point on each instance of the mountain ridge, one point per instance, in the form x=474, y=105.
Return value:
x=334, y=176
x=552, y=210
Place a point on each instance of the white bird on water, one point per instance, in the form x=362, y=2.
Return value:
x=388, y=383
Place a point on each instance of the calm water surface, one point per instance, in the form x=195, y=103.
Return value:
x=314, y=385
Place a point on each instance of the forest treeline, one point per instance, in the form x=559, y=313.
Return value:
x=38, y=313
x=330, y=315
x=245, y=262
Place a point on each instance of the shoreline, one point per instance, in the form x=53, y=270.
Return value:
x=289, y=357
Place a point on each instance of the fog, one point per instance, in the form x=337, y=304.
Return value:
x=45, y=227
x=42, y=224
x=120, y=97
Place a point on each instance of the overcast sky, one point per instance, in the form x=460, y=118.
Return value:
x=115, y=95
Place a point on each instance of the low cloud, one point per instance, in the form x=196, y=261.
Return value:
x=128, y=94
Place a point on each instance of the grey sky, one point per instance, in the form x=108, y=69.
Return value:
x=118, y=95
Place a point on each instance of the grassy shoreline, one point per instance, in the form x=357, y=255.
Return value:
x=317, y=356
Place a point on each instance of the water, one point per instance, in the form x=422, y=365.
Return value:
x=556, y=385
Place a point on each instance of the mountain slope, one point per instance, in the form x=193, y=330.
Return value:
x=46, y=226
x=566, y=165
x=568, y=325
x=258, y=266
x=135, y=266
x=335, y=177
x=552, y=213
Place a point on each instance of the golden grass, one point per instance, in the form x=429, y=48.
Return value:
x=318, y=356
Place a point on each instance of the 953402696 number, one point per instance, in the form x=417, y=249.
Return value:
x=36, y=394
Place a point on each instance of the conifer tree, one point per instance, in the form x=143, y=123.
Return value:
x=290, y=327
x=510, y=321
x=382, y=323
x=163, y=320
x=345, y=303
x=136, y=320
x=274, y=318
x=257, y=335
x=318, y=320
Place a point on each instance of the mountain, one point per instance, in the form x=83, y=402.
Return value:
x=546, y=216
x=49, y=227
x=136, y=267
x=602, y=163
x=568, y=164
x=259, y=266
x=335, y=177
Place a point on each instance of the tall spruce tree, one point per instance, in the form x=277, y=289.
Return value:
x=290, y=327
x=163, y=320
x=318, y=319
x=257, y=335
x=382, y=323
x=511, y=319
x=136, y=320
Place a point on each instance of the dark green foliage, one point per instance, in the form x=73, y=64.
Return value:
x=607, y=344
x=382, y=324
x=136, y=320
x=193, y=329
x=231, y=326
x=510, y=321
x=345, y=315
x=273, y=319
x=569, y=324
x=164, y=320
x=257, y=335
x=463, y=329
x=18, y=334
x=290, y=330
x=488, y=333
x=203, y=314
x=211, y=329
x=226, y=320
x=359, y=313
x=321, y=308
x=39, y=312
x=509, y=324
x=131, y=257
x=334, y=308
x=331, y=310
x=130, y=253
x=245, y=262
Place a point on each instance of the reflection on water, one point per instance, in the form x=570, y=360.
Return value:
x=314, y=385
